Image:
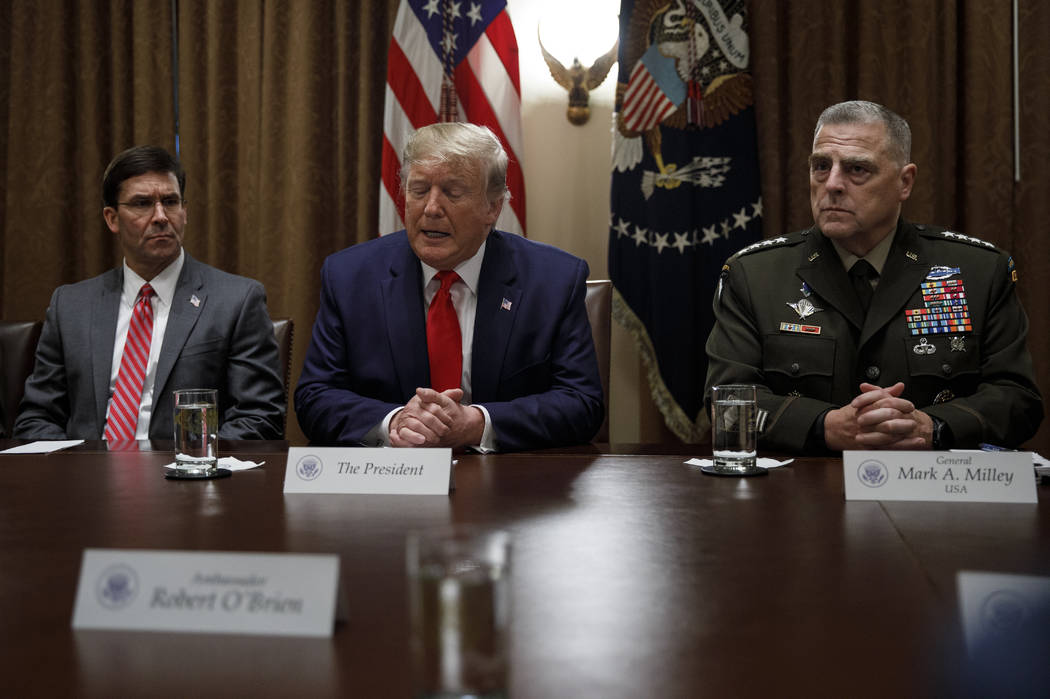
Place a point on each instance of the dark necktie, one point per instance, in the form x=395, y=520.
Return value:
x=127, y=394
x=861, y=274
x=444, y=343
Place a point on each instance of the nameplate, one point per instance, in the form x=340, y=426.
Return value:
x=1000, y=608
x=285, y=594
x=939, y=476
x=372, y=471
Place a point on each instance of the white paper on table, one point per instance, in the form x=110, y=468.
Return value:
x=763, y=462
x=231, y=463
x=43, y=446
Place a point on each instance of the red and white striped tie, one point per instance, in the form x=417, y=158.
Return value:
x=123, y=414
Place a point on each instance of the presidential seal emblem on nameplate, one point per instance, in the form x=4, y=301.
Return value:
x=944, y=476
x=368, y=470
x=282, y=594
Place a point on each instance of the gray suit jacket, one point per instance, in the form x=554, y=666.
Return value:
x=225, y=341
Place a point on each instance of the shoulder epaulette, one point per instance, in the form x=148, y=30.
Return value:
x=942, y=234
x=768, y=243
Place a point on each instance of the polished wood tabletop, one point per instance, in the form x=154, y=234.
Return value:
x=633, y=575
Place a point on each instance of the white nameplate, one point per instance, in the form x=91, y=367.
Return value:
x=373, y=471
x=1000, y=476
x=286, y=594
x=999, y=607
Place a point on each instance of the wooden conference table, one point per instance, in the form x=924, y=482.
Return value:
x=633, y=576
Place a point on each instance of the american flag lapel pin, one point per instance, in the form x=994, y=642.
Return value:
x=505, y=305
x=195, y=301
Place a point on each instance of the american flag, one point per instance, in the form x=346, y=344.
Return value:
x=451, y=60
x=654, y=90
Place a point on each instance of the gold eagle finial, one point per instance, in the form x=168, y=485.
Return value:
x=579, y=81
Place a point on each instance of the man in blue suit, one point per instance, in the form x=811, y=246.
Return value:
x=521, y=372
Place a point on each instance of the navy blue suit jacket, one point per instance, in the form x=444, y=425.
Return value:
x=534, y=367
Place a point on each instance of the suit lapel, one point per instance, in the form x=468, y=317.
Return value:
x=822, y=270
x=181, y=319
x=906, y=266
x=402, y=299
x=499, y=300
x=104, y=311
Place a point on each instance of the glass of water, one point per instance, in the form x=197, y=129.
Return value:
x=734, y=441
x=196, y=430
x=458, y=587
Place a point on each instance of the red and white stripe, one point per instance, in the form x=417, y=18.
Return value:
x=123, y=417
x=644, y=104
x=488, y=92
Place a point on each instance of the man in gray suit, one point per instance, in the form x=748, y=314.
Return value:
x=205, y=329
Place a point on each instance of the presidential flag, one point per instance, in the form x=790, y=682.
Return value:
x=451, y=61
x=685, y=186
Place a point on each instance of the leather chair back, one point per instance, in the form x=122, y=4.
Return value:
x=17, y=350
x=283, y=330
x=599, y=312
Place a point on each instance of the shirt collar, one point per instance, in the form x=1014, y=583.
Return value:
x=469, y=270
x=876, y=258
x=163, y=284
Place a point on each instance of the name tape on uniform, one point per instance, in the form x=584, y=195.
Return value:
x=939, y=476
x=373, y=471
x=285, y=594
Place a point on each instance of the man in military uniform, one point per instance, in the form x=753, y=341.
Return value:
x=867, y=332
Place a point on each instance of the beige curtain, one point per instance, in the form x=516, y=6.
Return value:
x=78, y=83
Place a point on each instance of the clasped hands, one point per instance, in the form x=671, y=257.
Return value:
x=878, y=419
x=437, y=419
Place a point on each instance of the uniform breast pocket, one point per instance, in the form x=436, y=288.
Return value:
x=942, y=363
x=799, y=365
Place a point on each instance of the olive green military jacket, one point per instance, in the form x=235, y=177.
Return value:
x=945, y=320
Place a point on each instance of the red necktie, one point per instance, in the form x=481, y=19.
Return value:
x=124, y=406
x=444, y=345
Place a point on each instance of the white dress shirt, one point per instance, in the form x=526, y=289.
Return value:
x=465, y=300
x=164, y=289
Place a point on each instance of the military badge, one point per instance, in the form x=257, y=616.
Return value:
x=938, y=272
x=1012, y=269
x=804, y=308
x=958, y=344
x=944, y=305
x=797, y=328
x=923, y=348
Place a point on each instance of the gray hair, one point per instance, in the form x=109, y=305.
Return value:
x=862, y=112
x=460, y=143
